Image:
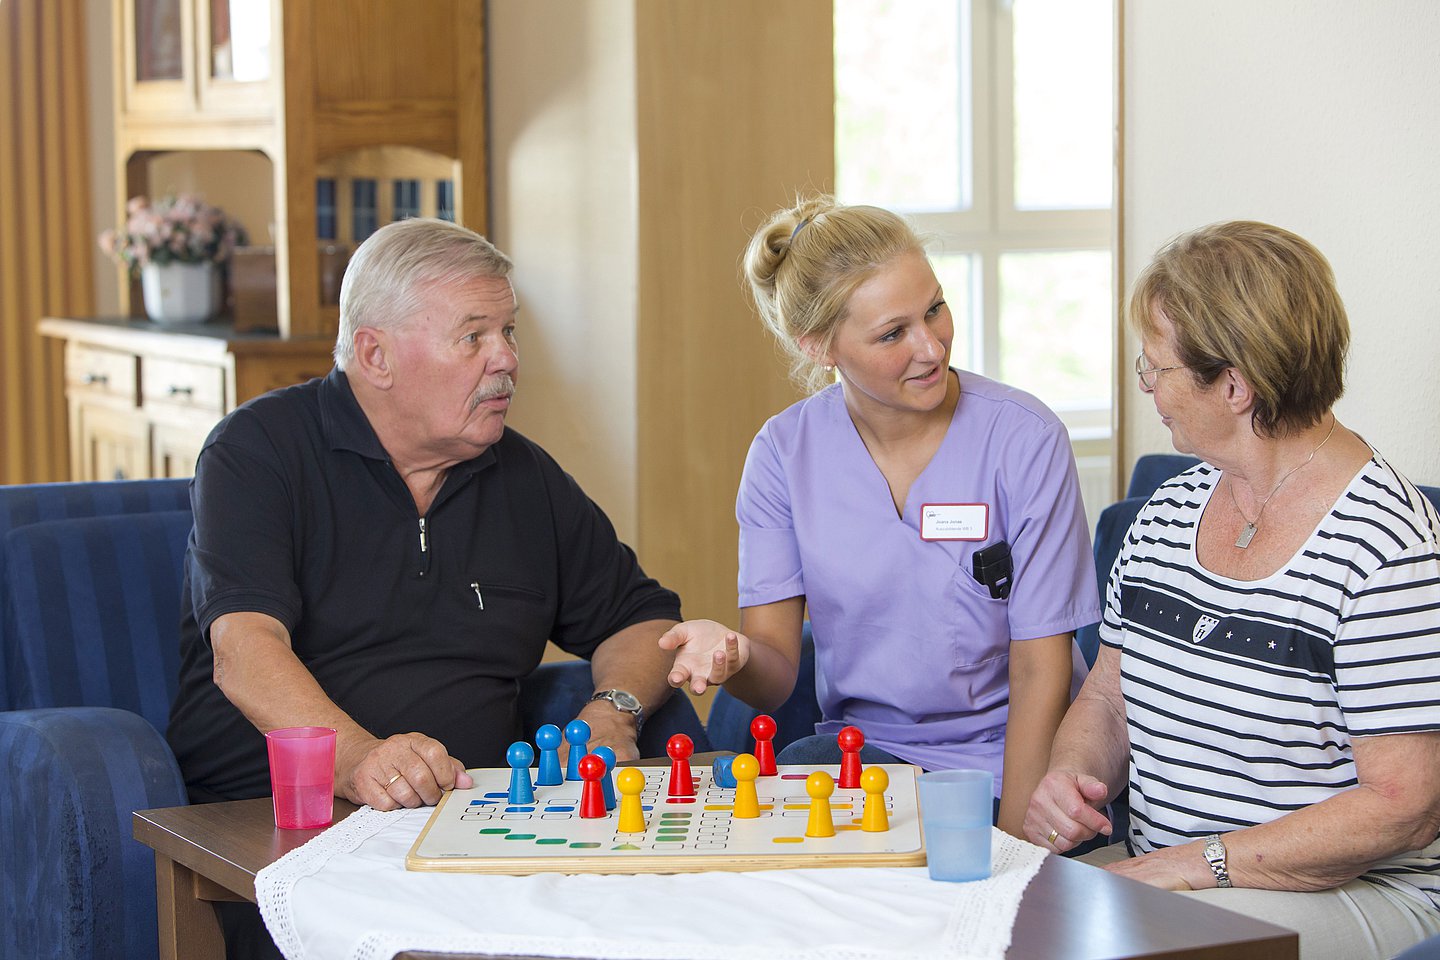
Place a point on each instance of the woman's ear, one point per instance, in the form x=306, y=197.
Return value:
x=810, y=346
x=1239, y=397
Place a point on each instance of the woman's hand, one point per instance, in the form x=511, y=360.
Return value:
x=1063, y=814
x=1174, y=868
x=706, y=653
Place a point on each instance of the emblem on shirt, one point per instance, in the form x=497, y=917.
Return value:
x=1203, y=626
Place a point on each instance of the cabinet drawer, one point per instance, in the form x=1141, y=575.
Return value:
x=179, y=383
x=95, y=371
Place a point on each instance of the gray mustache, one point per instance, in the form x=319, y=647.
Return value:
x=499, y=387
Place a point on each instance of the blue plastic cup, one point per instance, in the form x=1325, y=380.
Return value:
x=955, y=810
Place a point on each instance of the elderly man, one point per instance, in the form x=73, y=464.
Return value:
x=377, y=553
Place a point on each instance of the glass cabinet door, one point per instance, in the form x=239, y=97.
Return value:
x=235, y=53
x=159, y=41
x=239, y=40
x=157, y=57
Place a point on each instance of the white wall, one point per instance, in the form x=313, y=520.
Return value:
x=562, y=167
x=1321, y=116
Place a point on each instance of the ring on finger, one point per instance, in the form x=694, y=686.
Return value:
x=392, y=780
x=1054, y=835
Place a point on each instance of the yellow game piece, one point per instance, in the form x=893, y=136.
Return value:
x=874, y=781
x=630, y=782
x=745, y=768
x=820, y=785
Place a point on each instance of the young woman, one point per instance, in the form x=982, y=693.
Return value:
x=928, y=518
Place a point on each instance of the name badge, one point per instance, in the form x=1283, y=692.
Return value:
x=955, y=521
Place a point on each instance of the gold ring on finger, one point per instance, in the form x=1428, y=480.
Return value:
x=391, y=780
x=1054, y=835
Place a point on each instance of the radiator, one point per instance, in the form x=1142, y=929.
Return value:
x=1097, y=486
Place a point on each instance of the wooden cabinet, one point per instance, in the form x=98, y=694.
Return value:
x=142, y=400
x=309, y=85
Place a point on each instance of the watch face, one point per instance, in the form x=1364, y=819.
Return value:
x=625, y=701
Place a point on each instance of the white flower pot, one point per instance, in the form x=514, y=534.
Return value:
x=180, y=292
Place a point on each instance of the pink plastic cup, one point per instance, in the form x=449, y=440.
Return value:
x=302, y=776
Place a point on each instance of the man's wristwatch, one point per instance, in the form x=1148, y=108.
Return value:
x=625, y=702
x=1215, y=856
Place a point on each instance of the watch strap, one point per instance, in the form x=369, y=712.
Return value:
x=619, y=699
x=1215, y=856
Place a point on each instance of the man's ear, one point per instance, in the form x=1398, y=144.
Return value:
x=372, y=358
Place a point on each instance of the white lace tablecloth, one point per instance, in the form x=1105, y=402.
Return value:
x=346, y=895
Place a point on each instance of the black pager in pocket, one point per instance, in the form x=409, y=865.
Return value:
x=992, y=568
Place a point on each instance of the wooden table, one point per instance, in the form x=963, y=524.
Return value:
x=1070, y=911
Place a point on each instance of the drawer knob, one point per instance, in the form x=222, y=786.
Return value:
x=95, y=379
x=177, y=391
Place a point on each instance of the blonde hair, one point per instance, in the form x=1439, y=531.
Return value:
x=803, y=264
x=388, y=277
x=1258, y=298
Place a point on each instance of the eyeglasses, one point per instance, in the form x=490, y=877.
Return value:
x=1149, y=376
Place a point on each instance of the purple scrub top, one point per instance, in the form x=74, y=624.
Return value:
x=908, y=645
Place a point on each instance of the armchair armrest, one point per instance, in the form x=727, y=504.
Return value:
x=73, y=880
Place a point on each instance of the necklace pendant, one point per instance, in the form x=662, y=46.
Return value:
x=1246, y=536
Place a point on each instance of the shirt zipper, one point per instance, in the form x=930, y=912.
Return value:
x=424, y=548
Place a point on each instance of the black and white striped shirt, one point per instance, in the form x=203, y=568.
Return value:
x=1242, y=697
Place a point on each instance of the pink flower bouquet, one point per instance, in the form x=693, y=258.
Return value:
x=182, y=229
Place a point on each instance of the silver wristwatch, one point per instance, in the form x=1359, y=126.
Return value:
x=625, y=702
x=1215, y=856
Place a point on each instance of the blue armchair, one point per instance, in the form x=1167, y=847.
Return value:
x=1433, y=493
x=1153, y=469
x=91, y=611
x=95, y=603
x=1427, y=949
x=1109, y=535
x=729, y=720
x=25, y=504
x=556, y=691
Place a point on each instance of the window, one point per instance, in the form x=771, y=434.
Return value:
x=326, y=219
x=445, y=199
x=406, y=193
x=364, y=212
x=990, y=124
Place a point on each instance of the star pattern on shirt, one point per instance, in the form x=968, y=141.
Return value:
x=1272, y=644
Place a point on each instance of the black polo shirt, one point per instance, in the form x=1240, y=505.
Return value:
x=408, y=623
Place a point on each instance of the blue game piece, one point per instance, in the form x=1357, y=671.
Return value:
x=520, y=756
x=721, y=774
x=577, y=732
x=607, y=782
x=547, y=738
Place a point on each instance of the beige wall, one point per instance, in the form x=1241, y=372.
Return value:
x=632, y=152
x=563, y=202
x=1324, y=118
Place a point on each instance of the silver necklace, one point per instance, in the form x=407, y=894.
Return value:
x=1252, y=526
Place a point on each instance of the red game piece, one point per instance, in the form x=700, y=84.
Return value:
x=762, y=728
x=592, y=797
x=680, y=747
x=850, y=739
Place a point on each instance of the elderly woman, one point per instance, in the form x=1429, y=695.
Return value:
x=1271, y=664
